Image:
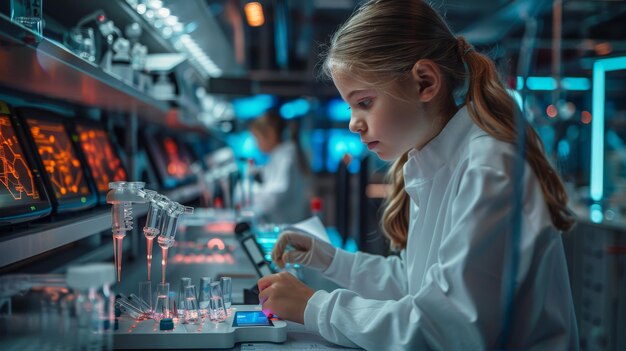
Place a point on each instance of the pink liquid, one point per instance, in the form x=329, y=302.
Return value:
x=149, y=255
x=163, y=264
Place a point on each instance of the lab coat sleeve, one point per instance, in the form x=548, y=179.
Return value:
x=458, y=307
x=385, y=276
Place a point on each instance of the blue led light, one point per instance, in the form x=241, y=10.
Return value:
x=541, y=83
x=318, y=137
x=295, y=108
x=338, y=110
x=596, y=213
x=575, y=83
x=244, y=146
x=340, y=142
x=520, y=83
x=253, y=106
x=563, y=148
x=600, y=67
x=549, y=83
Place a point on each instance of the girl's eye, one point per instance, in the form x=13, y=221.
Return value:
x=365, y=103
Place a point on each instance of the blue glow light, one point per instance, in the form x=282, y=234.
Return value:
x=295, y=108
x=541, y=83
x=575, y=83
x=338, y=110
x=549, y=83
x=596, y=213
x=318, y=137
x=244, y=146
x=563, y=148
x=600, y=67
x=253, y=106
x=340, y=142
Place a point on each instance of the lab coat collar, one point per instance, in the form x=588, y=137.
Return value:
x=282, y=148
x=422, y=165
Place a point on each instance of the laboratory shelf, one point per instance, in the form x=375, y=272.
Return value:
x=44, y=67
x=41, y=237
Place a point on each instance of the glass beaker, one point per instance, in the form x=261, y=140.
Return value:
x=191, y=306
x=145, y=294
x=81, y=41
x=204, y=296
x=226, y=283
x=217, y=313
x=29, y=14
x=161, y=307
x=184, y=282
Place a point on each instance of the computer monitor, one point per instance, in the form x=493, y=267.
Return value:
x=22, y=195
x=63, y=173
x=171, y=161
x=100, y=154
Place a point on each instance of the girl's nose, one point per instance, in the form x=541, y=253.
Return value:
x=357, y=125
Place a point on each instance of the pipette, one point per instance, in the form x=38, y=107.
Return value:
x=121, y=196
x=156, y=212
x=168, y=230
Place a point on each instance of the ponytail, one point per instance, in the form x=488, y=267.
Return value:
x=395, y=219
x=491, y=107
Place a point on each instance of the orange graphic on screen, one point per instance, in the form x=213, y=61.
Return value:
x=103, y=162
x=176, y=166
x=58, y=158
x=15, y=175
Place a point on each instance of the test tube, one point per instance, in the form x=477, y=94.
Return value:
x=168, y=230
x=161, y=307
x=121, y=196
x=153, y=220
x=226, y=284
x=145, y=294
x=204, y=296
x=191, y=305
x=217, y=313
x=184, y=282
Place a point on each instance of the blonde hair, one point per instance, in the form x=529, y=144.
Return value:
x=382, y=41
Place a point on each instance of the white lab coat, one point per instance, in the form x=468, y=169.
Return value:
x=446, y=289
x=283, y=196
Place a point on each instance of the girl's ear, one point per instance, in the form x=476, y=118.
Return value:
x=426, y=74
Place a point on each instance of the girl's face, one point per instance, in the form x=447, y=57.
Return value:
x=388, y=125
x=265, y=141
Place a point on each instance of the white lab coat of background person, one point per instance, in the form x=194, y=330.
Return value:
x=283, y=196
x=446, y=289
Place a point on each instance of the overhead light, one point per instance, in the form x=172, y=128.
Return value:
x=178, y=27
x=167, y=32
x=141, y=9
x=254, y=14
x=155, y=4
x=171, y=29
x=171, y=20
x=163, y=12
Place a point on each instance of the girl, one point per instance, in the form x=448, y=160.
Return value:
x=451, y=210
x=283, y=195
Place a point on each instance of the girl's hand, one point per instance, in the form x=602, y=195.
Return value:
x=285, y=296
